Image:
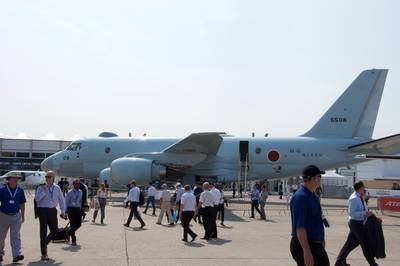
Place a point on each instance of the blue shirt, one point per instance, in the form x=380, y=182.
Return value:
x=51, y=198
x=357, y=208
x=74, y=198
x=306, y=213
x=16, y=196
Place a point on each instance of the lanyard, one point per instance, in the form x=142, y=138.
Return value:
x=362, y=204
x=51, y=190
x=15, y=192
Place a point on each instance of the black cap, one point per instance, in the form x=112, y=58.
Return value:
x=311, y=171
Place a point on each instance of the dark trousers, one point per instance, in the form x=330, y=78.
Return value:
x=47, y=218
x=75, y=220
x=317, y=250
x=199, y=215
x=254, y=205
x=221, y=210
x=185, y=221
x=214, y=232
x=356, y=236
x=207, y=215
x=150, y=199
x=134, y=211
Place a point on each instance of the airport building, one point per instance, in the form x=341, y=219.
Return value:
x=27, y=154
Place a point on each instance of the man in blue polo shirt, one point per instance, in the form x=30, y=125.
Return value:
x=12, y=215
x=308, y=237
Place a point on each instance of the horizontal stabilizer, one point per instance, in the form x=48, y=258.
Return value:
x=388, y=145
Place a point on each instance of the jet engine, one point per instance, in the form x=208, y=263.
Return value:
x=123, y=170
x=105, y=175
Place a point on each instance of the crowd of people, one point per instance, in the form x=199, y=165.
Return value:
x=203, y=203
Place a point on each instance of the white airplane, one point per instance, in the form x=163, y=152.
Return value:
x=29, y=179
x=341, y=137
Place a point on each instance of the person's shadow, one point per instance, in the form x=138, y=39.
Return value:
x=219, y=241
x=72, y=248
x=42, y=262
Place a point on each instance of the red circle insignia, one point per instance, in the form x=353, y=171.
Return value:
x=273, y=155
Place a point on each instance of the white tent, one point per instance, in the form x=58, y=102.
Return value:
x=335, y=185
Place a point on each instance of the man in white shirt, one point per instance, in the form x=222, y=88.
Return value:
x=47, y=197
x=151, y=194
x=358, y=213
x=206, y=202
x=179, y=193
x=188, y=207
x=165, y=205
x=216, y=199
x=134, y=198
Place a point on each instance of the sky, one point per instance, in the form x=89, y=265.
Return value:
x=72, y=69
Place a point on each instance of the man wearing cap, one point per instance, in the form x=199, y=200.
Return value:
x=47, y=197
x=308, y=237
x=12, y=215
x=358, y=213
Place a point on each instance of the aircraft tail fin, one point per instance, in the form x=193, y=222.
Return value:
x=354, y=113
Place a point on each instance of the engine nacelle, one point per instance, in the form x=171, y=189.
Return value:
x=105, y=174
x=123, y=170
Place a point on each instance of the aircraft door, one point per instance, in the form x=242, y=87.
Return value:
x=244, y=157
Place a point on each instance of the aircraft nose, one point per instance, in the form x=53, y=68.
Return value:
x=47, y=164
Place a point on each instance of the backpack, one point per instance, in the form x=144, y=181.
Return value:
x=141, y=198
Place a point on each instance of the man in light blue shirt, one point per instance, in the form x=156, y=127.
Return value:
x=47, y=197
x=73, y=201
x=358, y=213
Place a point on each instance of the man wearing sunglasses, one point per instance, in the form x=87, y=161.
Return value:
x=47, y=197
x=308, y=236
x=12, y=215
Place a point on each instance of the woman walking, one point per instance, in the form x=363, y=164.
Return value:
x=101, y=197
x=263, y=201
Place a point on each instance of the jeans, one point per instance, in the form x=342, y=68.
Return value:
x=150, y=199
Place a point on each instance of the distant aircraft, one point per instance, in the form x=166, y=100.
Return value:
x=29, y=179
x=341, y=137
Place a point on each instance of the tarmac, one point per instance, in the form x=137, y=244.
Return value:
x=244, y=241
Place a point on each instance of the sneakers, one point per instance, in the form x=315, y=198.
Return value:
x=126, y=225
x=45, y=258
x=143, y=225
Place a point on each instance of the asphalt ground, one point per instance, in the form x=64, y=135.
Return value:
x=244, y=241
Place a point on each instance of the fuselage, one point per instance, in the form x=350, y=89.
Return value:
x=265, y=157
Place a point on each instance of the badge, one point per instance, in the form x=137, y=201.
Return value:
x=11, y=202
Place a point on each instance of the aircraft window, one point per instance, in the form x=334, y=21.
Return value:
x=107, y=150
x=258, y=150
x=74, y=146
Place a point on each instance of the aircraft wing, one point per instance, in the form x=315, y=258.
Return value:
x=206, y=143
x=385, y=146
x=186, y=153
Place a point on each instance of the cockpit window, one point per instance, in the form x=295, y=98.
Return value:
x=74, y=146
